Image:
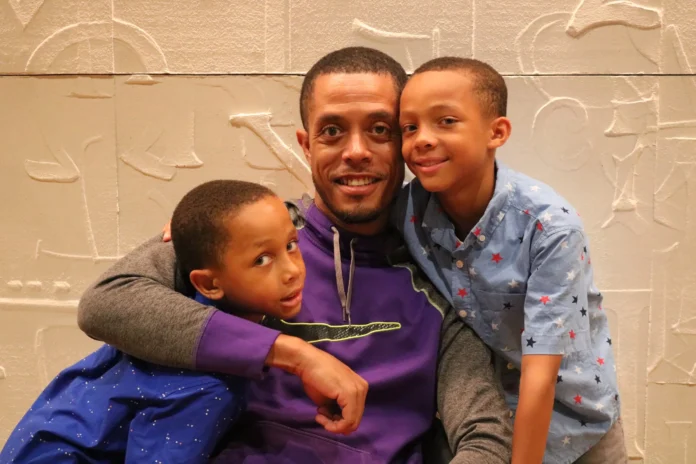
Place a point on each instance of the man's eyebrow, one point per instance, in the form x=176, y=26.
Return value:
x=382, y=116
x=329, y=118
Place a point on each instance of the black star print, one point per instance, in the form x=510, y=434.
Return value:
x=583, y=311
x=596, y=379
x=575, y=299
x=584, y=249
x=507, y=305
x=559, y=379
x=521, y=239
x=437, y=247
x=583, y=423
x=616, y=397
x=609, y=341
x=531, y=342
x=565, y=210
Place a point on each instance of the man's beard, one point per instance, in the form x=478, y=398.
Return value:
x=356, y=215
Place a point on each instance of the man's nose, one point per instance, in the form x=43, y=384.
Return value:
x=357, y=149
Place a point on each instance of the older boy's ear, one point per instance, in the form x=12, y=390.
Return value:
x=303, y=140
x=500, y=132
x=206, y=283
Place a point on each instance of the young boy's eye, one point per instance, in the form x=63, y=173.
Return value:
x=292, y=245
x=262, y=260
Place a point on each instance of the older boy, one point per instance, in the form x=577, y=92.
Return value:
x=512, y=257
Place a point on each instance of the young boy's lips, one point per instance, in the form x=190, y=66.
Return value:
x=292, y=300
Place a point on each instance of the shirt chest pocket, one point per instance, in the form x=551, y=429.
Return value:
x=503, y=318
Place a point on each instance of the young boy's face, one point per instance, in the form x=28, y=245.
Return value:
x=262, y=270
x=446, y=137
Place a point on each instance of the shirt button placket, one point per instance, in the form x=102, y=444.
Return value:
x=462, y=285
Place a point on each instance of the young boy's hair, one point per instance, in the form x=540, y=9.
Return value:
x=198, y=223
x=488, y=84
x=351, y=60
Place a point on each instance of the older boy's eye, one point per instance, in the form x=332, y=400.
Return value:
x=263, y=260
x=448, y=121
x=292, y=245
x=408, y=128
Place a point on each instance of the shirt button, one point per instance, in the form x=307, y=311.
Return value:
x=460, y=264
x=482, y=238
x=462, y=313
x=510, y=366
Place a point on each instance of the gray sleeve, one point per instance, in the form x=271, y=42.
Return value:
x=134, y=306
x=470, y=400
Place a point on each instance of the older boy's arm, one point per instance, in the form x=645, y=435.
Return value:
x=470, y=399
x=537, y=391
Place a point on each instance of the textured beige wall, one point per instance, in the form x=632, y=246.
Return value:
x=111, y=110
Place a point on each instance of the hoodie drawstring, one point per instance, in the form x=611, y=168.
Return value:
x=345, y=298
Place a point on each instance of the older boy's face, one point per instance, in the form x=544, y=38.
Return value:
x=262, y=270
x=445, y=136
x=353, y=147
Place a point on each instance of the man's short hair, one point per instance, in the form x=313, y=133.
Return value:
x=350, y=60
x=198, y=225
x=489, y=86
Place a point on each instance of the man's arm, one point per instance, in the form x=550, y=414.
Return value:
x=135, y=307
x=470, y=399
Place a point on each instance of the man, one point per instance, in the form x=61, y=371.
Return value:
x=365, y=304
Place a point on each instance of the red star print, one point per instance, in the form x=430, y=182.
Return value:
x=582, y=256
x=526, y=211
x=457, y=244
x=462, y=292
x=539, y=226
x=497, y=258
x=572, y=335
x=578, y=399
x=600, y=361
x=477, y=232
x=600, y=307
x=414, y=218
x=589, y=261
x=545, y=299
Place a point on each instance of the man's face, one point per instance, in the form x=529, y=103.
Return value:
x=353, y=148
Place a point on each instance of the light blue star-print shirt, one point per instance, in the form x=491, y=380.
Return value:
x=522, y=279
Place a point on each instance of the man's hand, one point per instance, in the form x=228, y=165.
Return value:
x=167, y=232
x=338, y=392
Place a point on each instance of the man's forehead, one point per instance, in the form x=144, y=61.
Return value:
x=338, y=91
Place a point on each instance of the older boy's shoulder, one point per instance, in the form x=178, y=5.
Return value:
x=542, y=202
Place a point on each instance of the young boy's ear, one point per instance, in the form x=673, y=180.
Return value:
x=303, y=139
x=500, y=132
x=206, y=283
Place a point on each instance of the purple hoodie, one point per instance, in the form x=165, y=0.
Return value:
x=385, y=324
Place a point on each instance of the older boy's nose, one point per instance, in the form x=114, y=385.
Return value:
x=425, y=140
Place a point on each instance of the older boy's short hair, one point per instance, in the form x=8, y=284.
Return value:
x=350, y=60
x=488, y=84
x=198, y=223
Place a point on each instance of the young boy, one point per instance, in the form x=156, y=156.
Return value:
x=236, y=244
x=512, y=257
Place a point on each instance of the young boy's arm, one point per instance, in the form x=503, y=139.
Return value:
x=185, y=426
x=470, y=399
x=553, y=327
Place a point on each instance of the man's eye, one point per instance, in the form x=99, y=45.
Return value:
x=263, y=260
x=331, y=131
x=381, y=130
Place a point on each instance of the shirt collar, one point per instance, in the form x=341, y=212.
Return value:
x=435, y=218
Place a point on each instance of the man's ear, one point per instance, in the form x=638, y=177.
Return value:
x=205, y=281
x=303, y=140
x=500, y=132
